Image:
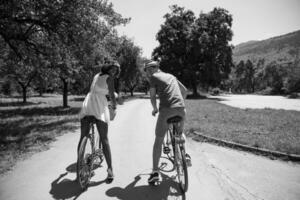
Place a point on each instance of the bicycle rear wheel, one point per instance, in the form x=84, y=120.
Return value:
x=84, y=163
x=181, y=166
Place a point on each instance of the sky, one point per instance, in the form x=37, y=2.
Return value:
x=252, y=19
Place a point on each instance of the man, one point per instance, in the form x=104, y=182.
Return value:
x=171, y=93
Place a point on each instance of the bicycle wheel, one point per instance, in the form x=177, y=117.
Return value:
x=181, y=166
x=84, y=163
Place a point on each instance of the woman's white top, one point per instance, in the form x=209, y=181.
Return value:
x=95, y=103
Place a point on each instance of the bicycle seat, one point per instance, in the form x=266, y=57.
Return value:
x=175, y=119
x=91, y=118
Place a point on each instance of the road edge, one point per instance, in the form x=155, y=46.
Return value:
x=259, y=151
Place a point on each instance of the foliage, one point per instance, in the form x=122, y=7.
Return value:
x=276, y=61
x=244, y=77
x=272, y=78
x=128, y=56
x=196, y=50
x=62, y=38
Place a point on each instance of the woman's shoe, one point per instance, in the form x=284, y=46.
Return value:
x=110, y=176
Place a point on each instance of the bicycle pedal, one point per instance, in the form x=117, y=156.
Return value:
x=166, y=150
x=154, y=183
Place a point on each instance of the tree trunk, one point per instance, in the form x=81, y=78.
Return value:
x=41, y=87
x=131, y=93
x=24, y=88
x=195, y=91
x=65, y=93
x=41, y=91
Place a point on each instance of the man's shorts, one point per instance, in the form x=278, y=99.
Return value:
x=164, y=115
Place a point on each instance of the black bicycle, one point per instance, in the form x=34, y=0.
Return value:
x=89, y=156
x=174, y=148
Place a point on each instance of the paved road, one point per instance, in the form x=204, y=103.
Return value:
x=217, y=173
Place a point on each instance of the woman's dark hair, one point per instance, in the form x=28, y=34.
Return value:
x=105, y=69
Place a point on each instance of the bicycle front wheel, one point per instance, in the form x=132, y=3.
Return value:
x=182, y=172
x=84, y=163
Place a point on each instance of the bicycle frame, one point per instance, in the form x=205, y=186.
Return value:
x=175, y=138
x=178, y=157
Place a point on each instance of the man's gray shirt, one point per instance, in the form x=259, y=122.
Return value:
x=167, y=89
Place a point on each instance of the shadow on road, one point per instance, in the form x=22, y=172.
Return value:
x=72, y=168
x=65, y=189
x=168, y=187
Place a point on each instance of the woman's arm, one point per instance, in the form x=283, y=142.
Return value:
x=111, y=91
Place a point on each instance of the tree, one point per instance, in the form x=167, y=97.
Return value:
x=274, y=75
x=67, y=33
x=175, y=44
x=292, y=80
x=211, y=49
x=23, y=21
x=244, y=76
x=22, y=71
x=128, y=57
x=196, y=50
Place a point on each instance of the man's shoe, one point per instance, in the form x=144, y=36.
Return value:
x=154, y=177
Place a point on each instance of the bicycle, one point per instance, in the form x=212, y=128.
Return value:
x=176, y=154
x=88, y=154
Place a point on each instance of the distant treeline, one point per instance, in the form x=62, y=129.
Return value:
x=271, y=78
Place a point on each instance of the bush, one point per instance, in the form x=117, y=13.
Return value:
x=266, y=91
x=294, y=95
x=216, y=91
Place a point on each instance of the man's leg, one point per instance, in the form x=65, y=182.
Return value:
x=160, y=131
x=157, y=147
x=182, y=113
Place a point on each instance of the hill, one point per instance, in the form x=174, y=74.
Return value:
x=282, y=49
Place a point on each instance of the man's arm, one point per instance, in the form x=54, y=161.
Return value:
x=183, y=89
x=153, y=100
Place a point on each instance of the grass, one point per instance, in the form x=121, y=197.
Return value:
x=277, y=130
x=28, y=128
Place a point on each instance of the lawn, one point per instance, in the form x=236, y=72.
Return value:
x=265, y=128
x=25, y=129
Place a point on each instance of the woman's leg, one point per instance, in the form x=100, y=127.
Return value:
x=85, y=128
x=103, y=130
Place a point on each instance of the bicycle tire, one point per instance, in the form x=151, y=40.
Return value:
x=180, y=162
x=83, y=175
x=184, y=185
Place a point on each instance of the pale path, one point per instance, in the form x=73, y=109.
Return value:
x=217, y=173
x=259, y=101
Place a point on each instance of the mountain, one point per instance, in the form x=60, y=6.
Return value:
x=282, y=49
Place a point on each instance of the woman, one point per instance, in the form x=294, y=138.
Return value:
x=95, y=104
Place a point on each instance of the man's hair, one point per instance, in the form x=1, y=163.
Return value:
x=152, y=64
